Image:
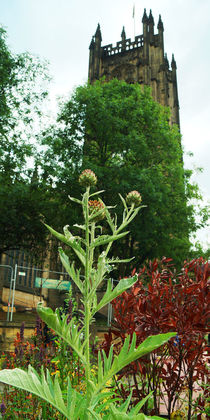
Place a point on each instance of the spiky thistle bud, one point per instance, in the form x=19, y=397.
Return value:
x=133, y=197
x=95, y=206
x=87, y=178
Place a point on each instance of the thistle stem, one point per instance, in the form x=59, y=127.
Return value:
x=86, y=302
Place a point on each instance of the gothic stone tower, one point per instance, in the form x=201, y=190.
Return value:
x=141, y=61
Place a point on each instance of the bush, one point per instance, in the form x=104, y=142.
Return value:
x=161, y=301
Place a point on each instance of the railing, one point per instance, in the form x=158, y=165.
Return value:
x=39, y=279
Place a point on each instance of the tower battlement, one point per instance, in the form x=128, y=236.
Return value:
x=140, y=61
x=123, y=46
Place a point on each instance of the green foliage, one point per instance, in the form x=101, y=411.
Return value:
x=21, y=210
x=23, y=81
x=119, y=131
x=23, y=88
x=89, y=405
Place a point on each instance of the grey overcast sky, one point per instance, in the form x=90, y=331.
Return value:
x=61, y=31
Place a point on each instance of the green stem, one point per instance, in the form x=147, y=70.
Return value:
x=92, y=249
x=86, y=301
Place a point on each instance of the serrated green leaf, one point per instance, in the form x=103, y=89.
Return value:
x=109, y=219
x=108, y=396
x=129, y=220
x=124, y=407
x=31, y=382
x=94, y=415
x=105, y=239
x=75, y=200
x=129, y=354
x=124, y=202
x=115, y=414
x=95, y=215
x=97, y=275
x=137, y=407
x=97, y=404
x=134, y=214
x=96, y=193
x=69, y=332
x=74, y=274
x=110, y=294
x=118, y=261
x=73, y=243
x=80, y=226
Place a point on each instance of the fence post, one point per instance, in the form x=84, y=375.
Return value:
x=10, y=292
x=13, y=292
x=10, y=289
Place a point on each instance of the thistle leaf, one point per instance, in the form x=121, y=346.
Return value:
x=129, y=353
x=129, y=220
x=80, y=226
x=105, y=239
x=96, y=193
x=116, y=414
x=97, y=276
x=75, y=200
x=74, y=274
x=110, y=294
x=71, y=241
x=69, y=332
x=118, y=261
x=137, y=407
x=124, y=202
x=109, y=219
x=95, y=215
x=49, y=391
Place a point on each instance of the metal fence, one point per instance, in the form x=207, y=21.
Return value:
x=33, y=280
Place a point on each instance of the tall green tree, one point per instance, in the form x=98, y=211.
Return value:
x=120, y=132
x=23, y=83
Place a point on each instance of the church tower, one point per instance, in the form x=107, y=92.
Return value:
x=140, y=61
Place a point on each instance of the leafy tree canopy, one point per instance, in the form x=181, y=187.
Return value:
x=118, y=130
x=23, y=82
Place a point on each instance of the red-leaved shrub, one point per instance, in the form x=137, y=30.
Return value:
x=163, y=300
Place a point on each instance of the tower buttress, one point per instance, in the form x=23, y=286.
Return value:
x=95, y=55
x=146, y=36
x=145, y=24
x=175, y=92
x=91, y=59
x=161, y=40
x=151, y=25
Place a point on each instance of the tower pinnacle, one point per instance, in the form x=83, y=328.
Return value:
x=123, y=34
x=160, y=24
x=145, y=18
x=98, y=33
x=150, y=19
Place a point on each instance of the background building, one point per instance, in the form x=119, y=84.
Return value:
x=141, y=61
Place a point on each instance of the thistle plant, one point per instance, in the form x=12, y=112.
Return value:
x=94, y=270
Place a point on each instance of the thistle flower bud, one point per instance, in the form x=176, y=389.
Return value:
x=133, y=197
x=87, y=178
x=94, y=207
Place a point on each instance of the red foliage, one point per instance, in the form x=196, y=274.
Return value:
x=162, y=301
